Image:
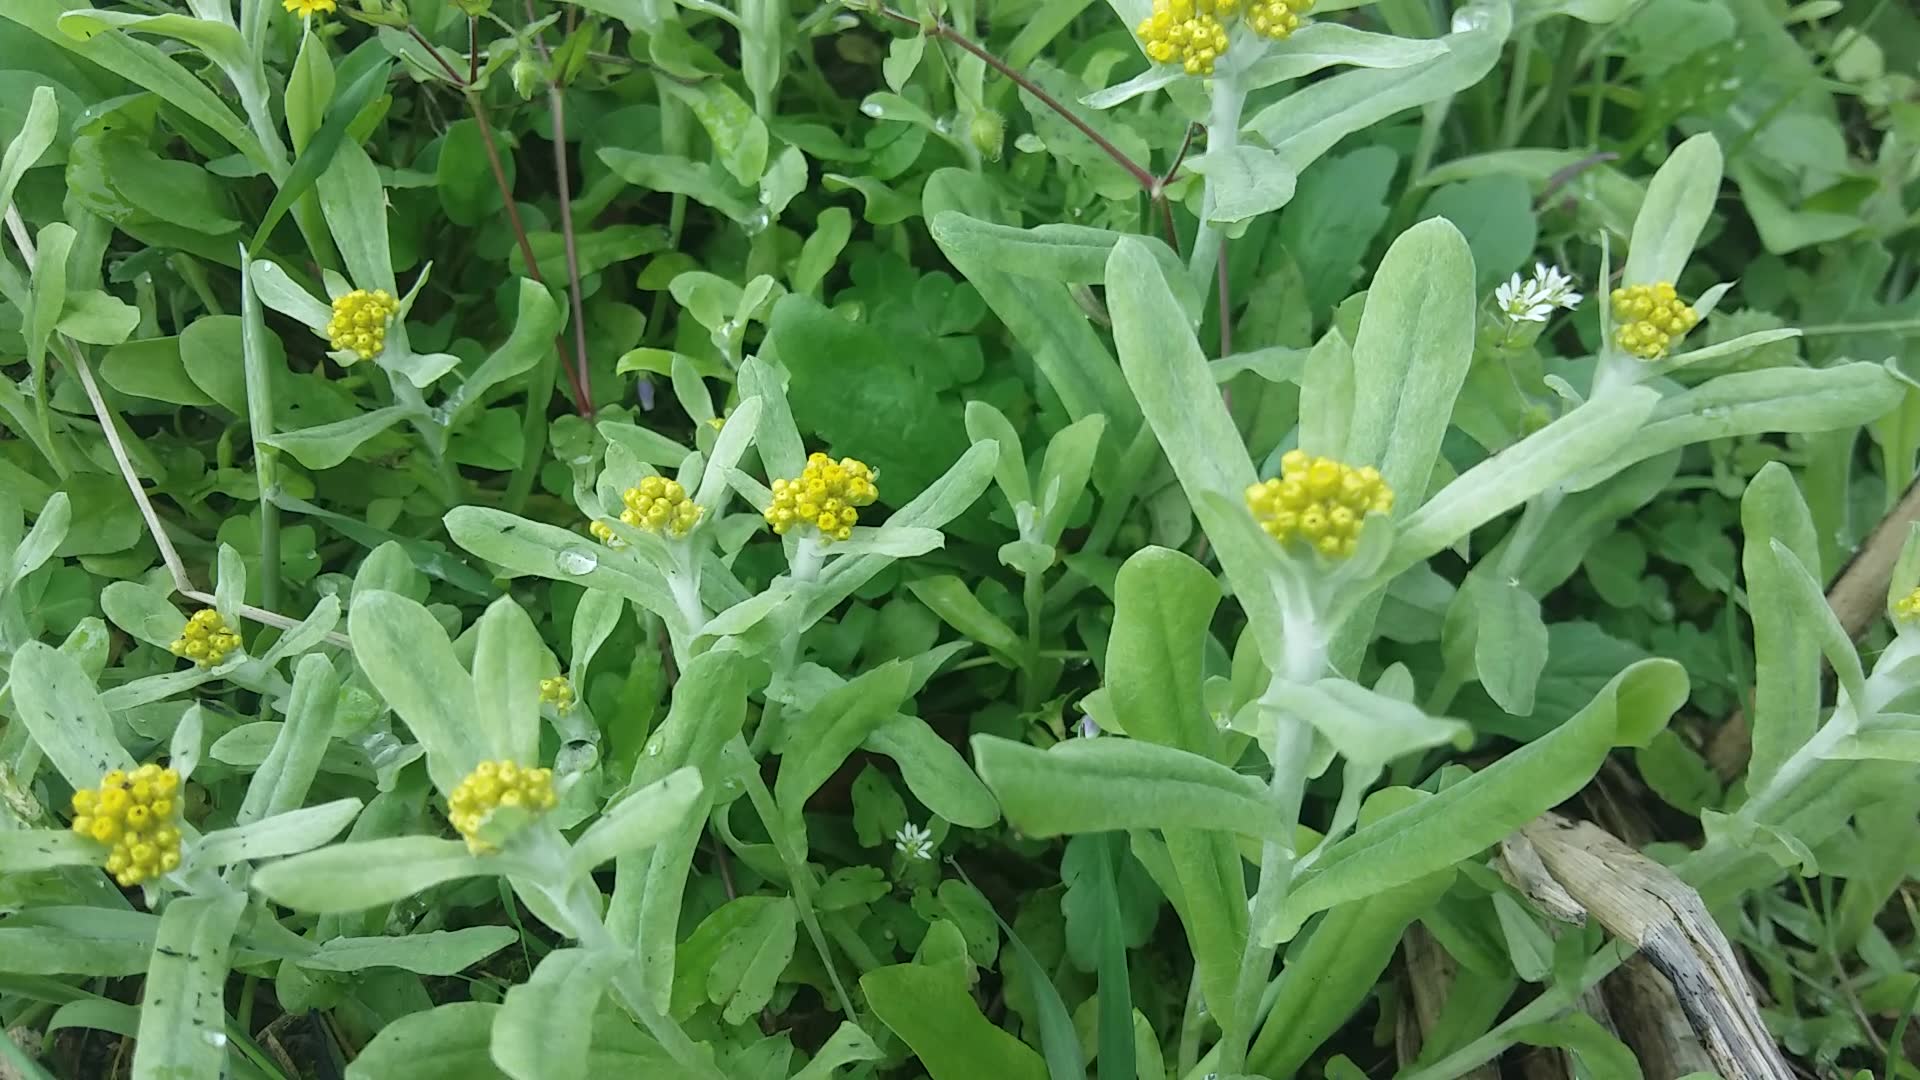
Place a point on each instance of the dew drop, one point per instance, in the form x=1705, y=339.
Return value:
x=757, y=222
x=873, y=109
x=214, y=1038
x=575, y=561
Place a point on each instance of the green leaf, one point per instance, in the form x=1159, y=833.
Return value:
x=282, y=834
x=1410, y=357
x=1475, y=813
x=152, y=368
x=1163, y=605
x=948, y=597
x=55, y=699
x=1064, y=470
x=363, y=874
x=1786, y=654
x=1498, y=623
x=1587, y=439
x=1329, y=975
x=1680, y=198
x=183, y=1016
x=934, y=771
x=738, y=135
x=1310, y=121
x=450, y=1042
x=47, y=292
x=327, y=445
x=903, y=55
x=509, y=659
x=1337, y=210
x=435, y=952
x=1093, y=785
x=37, y=132
x=49, y=530
x=362, y=76
x=1364, y=726
x=847, y=1045
x=1495, y=214
x=750, y=959
x=1245, y=182
x=1169, y=375
x=701, y=182
x=637, y=821
x=355, y=204
x=408, y=659
x=97, y=318
x=1678, y=774
x=1320, y=45
x=822, y=739
x=884, y=206
x=142, y=612
x=1815, y=618
x=23, y=851
x=1599, y=1050
x=309, y=88
x=988, y=424
x=537, y=318
x=930, y=1010
x=545, y=1024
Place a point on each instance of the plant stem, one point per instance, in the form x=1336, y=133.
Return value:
x=266, y=459
x=1223, y=134
x=583, y=378
x=1226, y=305
x=1516, y=88
x=1035, y=594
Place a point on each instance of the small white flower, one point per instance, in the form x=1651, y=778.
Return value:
x=914, y=842
x=1534, y=299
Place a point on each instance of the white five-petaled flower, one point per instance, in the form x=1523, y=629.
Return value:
x=914, y=842
x=1534, y=299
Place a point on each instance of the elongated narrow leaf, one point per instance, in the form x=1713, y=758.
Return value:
x=1474, y=814
x=363, y=874
x=361, y=76
x=1786, y=651
x=531, y=548
x=436, y=952
x=25, y=850
x=934, y=771
x=822, y=739
x=1094, y=785
x=508, y=662
x=847, y=1045
x=281, y=834
x=1816, y=619
x=638, y=821
x=545, y=1025
x=183, y=1018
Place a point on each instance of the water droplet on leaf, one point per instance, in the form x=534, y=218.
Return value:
x=575, y=561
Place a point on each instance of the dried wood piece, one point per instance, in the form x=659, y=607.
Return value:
x=1520, y=865
x=1647, y=906
x=1652, y=1024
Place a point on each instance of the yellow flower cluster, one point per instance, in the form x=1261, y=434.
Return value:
x=1320, y=502
x=491, y=785
x=660, y=505
x=304, y=8
x=825, y=495
x=557, y=692
x=1187, y=32
x=137, y=815
x=1908, y=606
x=1276, y=18
x=1651, y=318
x=207, y=639
x=359, y=322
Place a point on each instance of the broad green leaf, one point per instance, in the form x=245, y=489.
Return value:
x=1410, y=357
x=666, y=172
x=47, y=292
x=1064, y=470
x=930, y=1010
x=1585, y=439
x=355, y=204
x=546, y=1023
x=821, y=740
x=1498, y=624
x=750, y=958
x=327, y=445
x=56, y=701
x=309, y=89
x=1364, y=726
x=408, y=659
x=449, y=1042
x=77, y=941
x=1599, y=1050
x=26, y=850
x=183, y=1017
x=537, y=319
x=1093, y=785
x=152, y=368
x=1680, y=198
x=637, y=821
x=1163, y=605
x=435, y=952
x=934, y=771
x=739, y=137
x=362, y=874
x=645, y=444
x=1245, y=182
x=950, y=598
x=282, y=834
x=230, y=584
x=1786, y=653
x=1329, y=976
x=310, y=631
x=1477, y=812
x=281, y=293
x=97, y=318
x=763, y=48
x=509, y=659
x=847, y=1045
